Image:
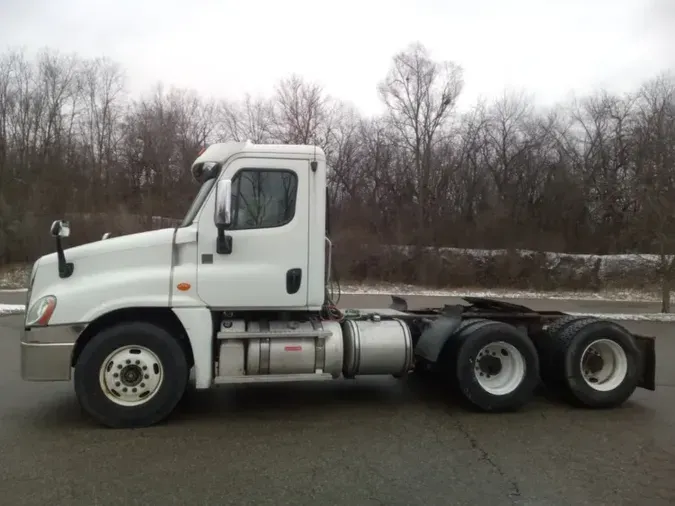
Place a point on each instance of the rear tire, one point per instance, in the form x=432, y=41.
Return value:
x=592, y=363
x=492, y=364
x=131, y=375
x=552, y=373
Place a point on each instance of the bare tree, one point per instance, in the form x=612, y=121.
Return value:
x=251, y=119
x=592, y=176
x=300, y=112
x=420, y=95
x=655, y=189
x=102, y=84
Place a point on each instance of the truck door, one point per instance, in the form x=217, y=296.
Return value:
x=270, y=227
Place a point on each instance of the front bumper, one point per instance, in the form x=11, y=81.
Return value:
x=46, y=352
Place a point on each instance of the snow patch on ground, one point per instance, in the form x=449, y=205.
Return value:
x=633, y=317
x=408, y=290
x=11, y=309
x=14, y=277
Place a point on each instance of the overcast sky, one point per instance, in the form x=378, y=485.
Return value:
x=226, y=48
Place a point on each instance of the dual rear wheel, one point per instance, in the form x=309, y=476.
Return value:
x=590, y=362
x=497, y=367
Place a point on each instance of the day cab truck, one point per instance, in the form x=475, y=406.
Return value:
x=238, y=293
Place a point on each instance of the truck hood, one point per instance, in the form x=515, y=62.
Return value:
x=131, y=269
x=114, y=245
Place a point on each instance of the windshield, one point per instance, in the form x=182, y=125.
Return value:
x=197, y=202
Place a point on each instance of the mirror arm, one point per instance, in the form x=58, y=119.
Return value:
x=65, y=268
x=60, y=228
x=223, y=242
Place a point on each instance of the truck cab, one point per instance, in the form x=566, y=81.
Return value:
x=265, y=245
x=266, y=250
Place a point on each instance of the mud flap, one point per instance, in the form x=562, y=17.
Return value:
x=433, y=338
x=398, y=303
x=647, y=347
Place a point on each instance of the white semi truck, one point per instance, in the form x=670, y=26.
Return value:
x=237, y=293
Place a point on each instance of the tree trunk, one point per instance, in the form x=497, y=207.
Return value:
x=665, y=294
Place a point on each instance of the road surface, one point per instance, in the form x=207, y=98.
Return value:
x=364, y=442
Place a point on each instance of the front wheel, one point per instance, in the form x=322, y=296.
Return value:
x=131, y=375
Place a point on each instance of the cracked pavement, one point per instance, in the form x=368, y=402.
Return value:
x=372, y=441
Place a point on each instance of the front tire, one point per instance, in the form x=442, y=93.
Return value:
x=131, y=375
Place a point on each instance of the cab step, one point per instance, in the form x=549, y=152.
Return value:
x=271, y=378
x=321, y=334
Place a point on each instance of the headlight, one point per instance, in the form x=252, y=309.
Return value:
x=40, y=312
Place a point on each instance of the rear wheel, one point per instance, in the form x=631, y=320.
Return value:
x=131, y=375
x=594, y=363
x=493, y=365
x=550, y=365
x=499, y=368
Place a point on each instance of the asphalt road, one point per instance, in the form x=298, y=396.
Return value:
x=366, y=442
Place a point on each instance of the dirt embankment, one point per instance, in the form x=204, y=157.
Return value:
x=456, y=268
x=452, y=267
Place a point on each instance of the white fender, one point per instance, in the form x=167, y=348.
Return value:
x=199, y=328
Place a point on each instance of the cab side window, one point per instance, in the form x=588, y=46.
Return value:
x=263, y=198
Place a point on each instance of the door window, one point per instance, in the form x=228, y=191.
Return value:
x=263, y=198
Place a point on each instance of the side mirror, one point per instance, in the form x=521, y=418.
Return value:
x=223, y=211
x=60, y=228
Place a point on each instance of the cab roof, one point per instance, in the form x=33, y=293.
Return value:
x=221, y=151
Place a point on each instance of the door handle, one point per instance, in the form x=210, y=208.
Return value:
x=293, y=280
